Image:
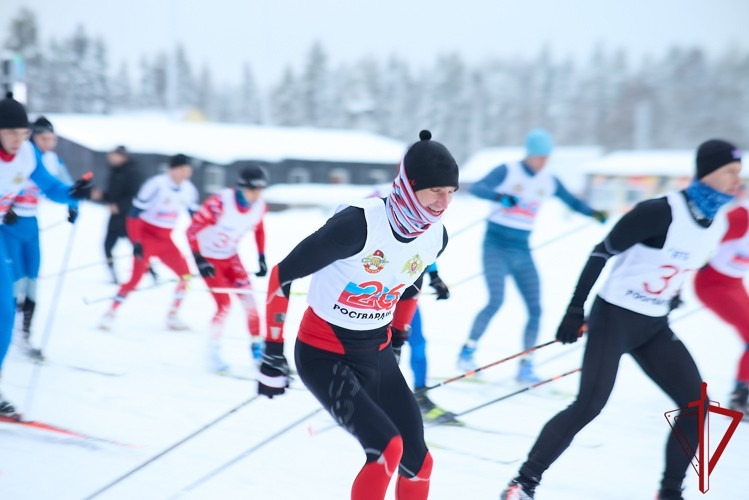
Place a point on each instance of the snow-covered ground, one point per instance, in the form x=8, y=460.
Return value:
x=149, y=387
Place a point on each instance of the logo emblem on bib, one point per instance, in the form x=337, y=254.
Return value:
x=414, y=265
x=374, y=262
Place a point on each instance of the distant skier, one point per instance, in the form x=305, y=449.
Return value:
x=150, y=222
x=720, y=286
x=517, y=191
x=363, y=261
x=656, y=245
x=214, y=234
x=125, y=179
x=22, y=237
x=18, y=163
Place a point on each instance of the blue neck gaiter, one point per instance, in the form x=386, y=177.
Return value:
x=706, y=200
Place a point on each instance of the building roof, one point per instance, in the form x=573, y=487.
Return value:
x=225, y=143
x=668, y=163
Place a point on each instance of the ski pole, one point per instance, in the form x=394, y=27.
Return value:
x=520, y=391
x=470, y=373
x=246, y=453
x=53, y=225
x=50, y=320
x=82, y=267
x=533, y=248
x=89, y=301
x=175, y=445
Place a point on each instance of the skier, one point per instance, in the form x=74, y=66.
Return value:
x=517, y=191
x=125, y=179
x=214, y=234
x=343, y=351
x=411, y=332
x=656, y=245
x=22, y=237
x=19, y=162
x=720, y=286
x=150, y=222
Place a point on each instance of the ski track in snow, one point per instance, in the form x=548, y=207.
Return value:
x=142, y=384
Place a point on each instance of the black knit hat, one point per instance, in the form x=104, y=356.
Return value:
x=713, y=154
x=12, y=113
x=429, y=164
x=252, y=177
x=42, y=125
x=178, y=160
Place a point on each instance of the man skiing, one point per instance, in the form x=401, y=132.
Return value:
x=656, y=245
x=517, y=191
x=720, y=286
x=343, y=350
x=214, y=235
x=152, y=218
x=18, y=163
x=22, y=237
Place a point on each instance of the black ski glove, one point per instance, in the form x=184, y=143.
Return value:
x=397, y=339
x=507, y=200
x=273, y=378
x=81, y=189
x=262, y=266
x=10, y=217
x=440, y=288
x=600, y=215
x=572, y=326
x=206, y=269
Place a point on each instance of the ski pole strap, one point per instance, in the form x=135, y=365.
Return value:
x=471, y=373
x=520, y=391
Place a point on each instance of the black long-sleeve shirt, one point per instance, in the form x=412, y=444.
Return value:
x=647, y=223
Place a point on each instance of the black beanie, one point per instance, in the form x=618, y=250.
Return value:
x=178, y=160
x=42, y=125
x=252, y=177
x=713, y=154
x=429, y=164
x=12, y=113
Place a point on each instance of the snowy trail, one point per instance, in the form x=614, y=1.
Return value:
x=145, y=385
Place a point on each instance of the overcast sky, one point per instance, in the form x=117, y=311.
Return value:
x=273, y=34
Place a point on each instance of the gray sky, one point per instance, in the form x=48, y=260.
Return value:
x=272, y=34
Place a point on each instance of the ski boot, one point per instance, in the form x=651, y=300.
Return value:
x=526, y=375
x=105, y=323
x=519, y=488
x=740, y=399
x=174, y=323
x=466, y=362
x=433, y=413
x=257, y=348
x=669, y=495
x=216, y=362
x=6, y=409
x=23, y=343
x=113, y=273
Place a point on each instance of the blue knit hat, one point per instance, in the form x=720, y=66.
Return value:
x=538, y=142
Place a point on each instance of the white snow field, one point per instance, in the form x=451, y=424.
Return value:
x=143, y=385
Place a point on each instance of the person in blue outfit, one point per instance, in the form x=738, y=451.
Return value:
x=18, y=163
x=517, y=190
x=22, y=237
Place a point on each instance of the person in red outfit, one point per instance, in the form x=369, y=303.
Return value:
x=363, y=261
x=150, y=222
x=720, y=286
x=214, y=234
